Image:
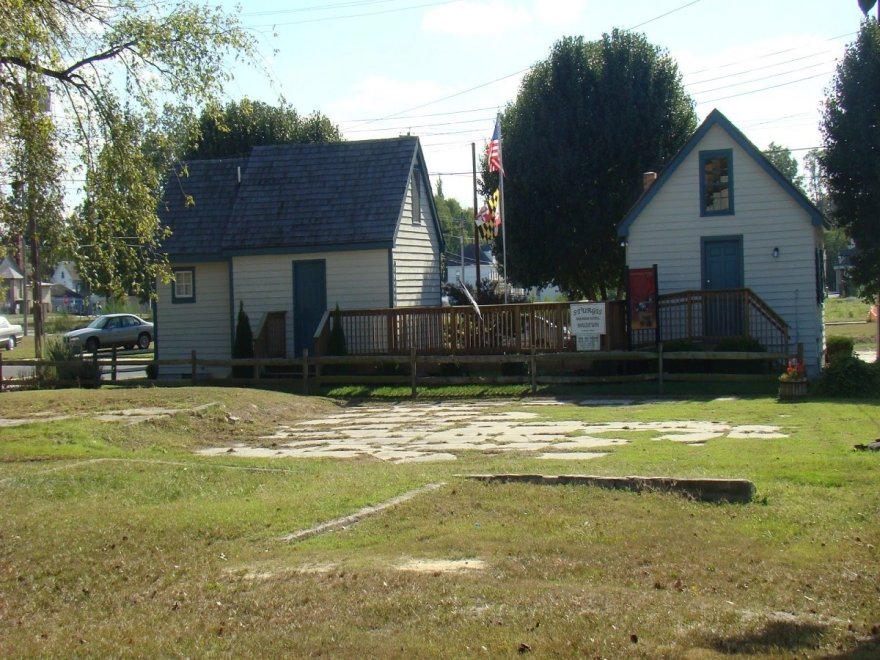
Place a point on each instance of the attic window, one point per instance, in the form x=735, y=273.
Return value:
x=183, y=289
x=716, y=182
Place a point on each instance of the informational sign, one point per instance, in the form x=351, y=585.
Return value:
x=589, y=342
x=588, y=325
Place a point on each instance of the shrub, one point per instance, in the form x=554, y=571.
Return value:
x=336, y=341
x=683, y=366
x=837, y=348
x=243, y=347
x=71, y=368
x=850, y=377
x=514, y=369
x=741, y=344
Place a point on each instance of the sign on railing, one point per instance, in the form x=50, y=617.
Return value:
x=588, y=325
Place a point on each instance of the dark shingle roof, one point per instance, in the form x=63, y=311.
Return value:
x=197, y=226
x=298, y=196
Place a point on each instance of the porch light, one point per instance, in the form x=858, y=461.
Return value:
x=776, y=253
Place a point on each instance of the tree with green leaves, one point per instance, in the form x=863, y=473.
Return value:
x=100, y=71
x=851, y=136
x=868, y=5
x=454, y=219
x=232, y=130
x=783, y=160
x=587, y=122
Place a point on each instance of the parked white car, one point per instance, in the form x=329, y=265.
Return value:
x=10, y=334
x=126, y=330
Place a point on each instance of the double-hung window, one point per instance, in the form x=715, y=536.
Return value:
x=183, y=289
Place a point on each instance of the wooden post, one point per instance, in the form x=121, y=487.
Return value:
x=660, y=368
x=97, y=369
x=412, y=368
x=305, y=367
x=113, y=365
x=390, y=330
x=533, y=366
x=1, y=372
x=192, y=374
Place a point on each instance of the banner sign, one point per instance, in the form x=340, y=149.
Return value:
x=642, y=287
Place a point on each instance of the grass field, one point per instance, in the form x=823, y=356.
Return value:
x=118, y=540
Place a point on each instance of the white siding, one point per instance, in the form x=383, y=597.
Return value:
x=416, y=252
x=204, y=326
x=355, y=280
x=669, y=229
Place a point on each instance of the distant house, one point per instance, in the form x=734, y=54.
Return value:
x=292, y=231
x=13, y=285
x=720, y=216
x=70, y=293
x=65, y=273
x=466, y=271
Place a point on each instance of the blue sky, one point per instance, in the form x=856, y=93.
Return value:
x=441, y=70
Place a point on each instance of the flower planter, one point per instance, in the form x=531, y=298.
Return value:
x=791, y=390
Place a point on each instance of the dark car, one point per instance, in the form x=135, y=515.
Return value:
x=108, y=330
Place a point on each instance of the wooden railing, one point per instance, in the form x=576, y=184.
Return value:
x=707, y=317
x=459, y=330
x=451, y=330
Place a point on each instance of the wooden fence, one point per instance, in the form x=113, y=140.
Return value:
x=532, y=368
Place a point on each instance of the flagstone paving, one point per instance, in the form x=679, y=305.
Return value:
x=406, y=432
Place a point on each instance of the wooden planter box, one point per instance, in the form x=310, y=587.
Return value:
x=791, y=390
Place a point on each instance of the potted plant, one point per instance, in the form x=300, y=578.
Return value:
x=793, y=381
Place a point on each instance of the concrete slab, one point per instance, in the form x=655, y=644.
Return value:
x=423, y=432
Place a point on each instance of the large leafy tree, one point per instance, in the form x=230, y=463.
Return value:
x=455, y=220
x=109, y=67
x=850, y=160
x=233, y=129
x=586, y=124
x=786, y=163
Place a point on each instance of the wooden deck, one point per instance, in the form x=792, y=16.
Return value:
x=701, y=317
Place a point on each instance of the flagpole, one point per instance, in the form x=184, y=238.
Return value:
x=476, y=230
x=501, y=211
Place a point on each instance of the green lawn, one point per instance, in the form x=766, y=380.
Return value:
x=117, y=540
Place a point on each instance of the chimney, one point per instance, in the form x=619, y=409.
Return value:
x=648, y=179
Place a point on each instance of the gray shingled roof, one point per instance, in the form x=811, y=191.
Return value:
x=296, y=196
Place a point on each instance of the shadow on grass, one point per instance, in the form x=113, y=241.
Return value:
x=775, y=636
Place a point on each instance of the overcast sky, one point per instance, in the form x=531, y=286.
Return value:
x=442, y=70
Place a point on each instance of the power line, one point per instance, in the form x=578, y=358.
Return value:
x=657, y=18
x=348, y=16
x=325, y=7
x=764, y=89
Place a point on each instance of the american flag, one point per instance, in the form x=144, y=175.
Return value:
x=493, y=151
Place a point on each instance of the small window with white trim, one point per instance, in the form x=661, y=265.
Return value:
x=183, y=288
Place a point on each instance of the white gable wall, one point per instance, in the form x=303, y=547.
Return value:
x=416, y=252
x=669, y=229
x=355, y=280
x=202, y=326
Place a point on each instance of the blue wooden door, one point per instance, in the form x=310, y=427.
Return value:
x=723, y=269
x=309, y=302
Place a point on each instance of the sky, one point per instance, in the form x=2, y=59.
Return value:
x=442, y=70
